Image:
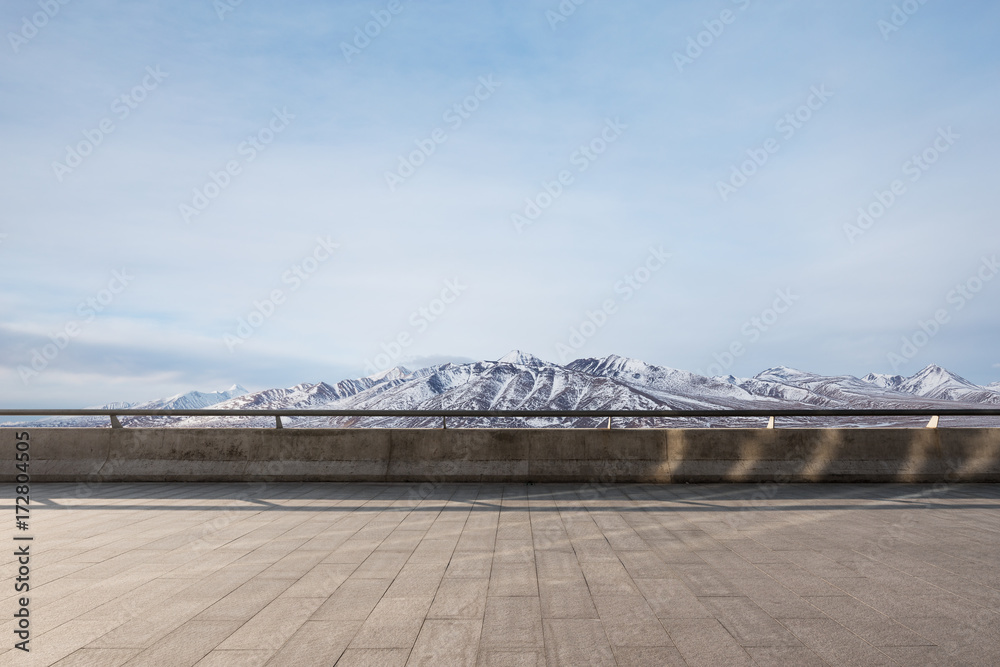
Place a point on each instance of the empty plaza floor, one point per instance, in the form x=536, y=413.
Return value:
x=506, y=574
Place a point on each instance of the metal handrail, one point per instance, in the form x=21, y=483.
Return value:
x=113, y=415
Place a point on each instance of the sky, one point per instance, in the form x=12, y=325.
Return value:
x=207, y=192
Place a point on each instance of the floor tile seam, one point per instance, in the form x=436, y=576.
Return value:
x=846, y=629
x=455, y=549
x=870, y=608
x=923, y=578
x=721, y=625
x=177, y=629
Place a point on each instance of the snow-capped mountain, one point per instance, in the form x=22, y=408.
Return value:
x=193, y=400
x=936, y=382
x=519, y=380
x=519, y=358
x=884, y=381
x=809, y=389
x=671, y=387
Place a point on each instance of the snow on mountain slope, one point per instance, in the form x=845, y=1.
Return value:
x=674, y=388
x=500, y=385
x=193, y=400
x=519, y=358
x=303, y=396
x=519, y=380
x=394, y=373
x=841, y=391
x=884, y=381
x=934, y=382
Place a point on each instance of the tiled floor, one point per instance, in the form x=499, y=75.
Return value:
x=481, y=574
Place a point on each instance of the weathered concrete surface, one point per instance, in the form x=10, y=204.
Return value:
x=510, y=455
x=346, y=574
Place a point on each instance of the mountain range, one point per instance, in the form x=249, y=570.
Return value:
x=519, y=380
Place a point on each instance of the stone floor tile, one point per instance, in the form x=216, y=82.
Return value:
x=785, y=656
x=470, y=564
x=704, y=580
x=799, y=581
x=271, y=627
x=142, y=631
x=374, y=657
x=460, y=598
x=186, y=645
x=239, y=658
x=608, y=578
x=353, y=600
x=97, y=657
x=875, y=628
x=243, y=603
x=748, y=623
x=433, y=551
x=776, y=600
x=380, y=565
x=512, y=622
x=417, y=580
x=511, y=658
x=628, y=621
x=566, y=599
x=572, y=642
x=703, y=642
x=835, y=644
x=648, y=656
x=594, y=550
x=320, y=582
x=394, y=623
x=645, y=565
x=507, y=579
x=447, y=643
x=316, y=644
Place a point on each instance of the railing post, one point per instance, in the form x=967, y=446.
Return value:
x=609, y=422
x=770, y=422
x=277, y=422
x=114, y=422
x=444, y=421
x=933, y=423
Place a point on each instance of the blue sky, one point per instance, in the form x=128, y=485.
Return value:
x=603, y=187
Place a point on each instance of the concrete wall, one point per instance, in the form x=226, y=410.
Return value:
x=515, y=455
